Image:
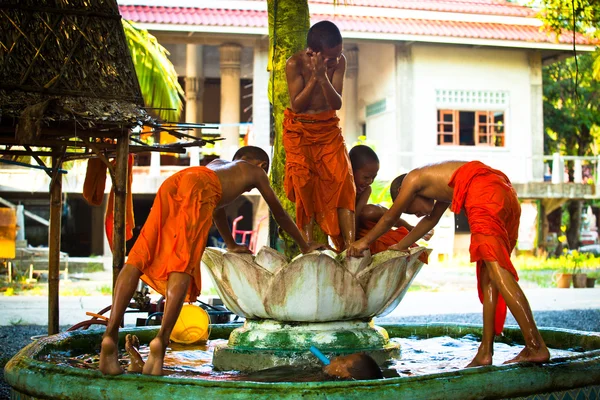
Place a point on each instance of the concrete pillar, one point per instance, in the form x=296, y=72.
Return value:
x=405, y=112
x=194, y=91
x=230, y=98
x=578, y=171
x=558, y=170
x=21, y=222
x=537, y=117
x=261, y=110
x=349, y=112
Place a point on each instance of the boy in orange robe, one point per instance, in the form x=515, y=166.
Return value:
x=168, y=251
x=318, y=176
x=493, y=212
x=365, y=166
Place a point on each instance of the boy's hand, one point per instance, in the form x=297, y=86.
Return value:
x=428, y=235
x=315, y=246
x=397, y=248
x=357, y=249
x=319, y=68
x=239, y=248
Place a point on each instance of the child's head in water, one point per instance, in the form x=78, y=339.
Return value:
x=420, y=206
x=365, y=166
x=325, y=38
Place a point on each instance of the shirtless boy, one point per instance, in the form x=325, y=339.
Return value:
x=318, y=176
x=493, y=212
x=365, y=167
x=168, y=251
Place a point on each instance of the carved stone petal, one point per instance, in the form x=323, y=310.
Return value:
x=315, y=287
x=413, y=267
x=384, y=280
x=248, y=282
x=270, y=259
x=213, y=261
x=355, y=264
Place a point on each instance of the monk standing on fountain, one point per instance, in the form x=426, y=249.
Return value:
x=318, y=175
x=168, y=251
x=493, y=212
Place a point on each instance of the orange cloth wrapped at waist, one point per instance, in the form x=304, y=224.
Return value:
x=318, y=174
x=493, y=212
x=386, y=240
x=175, y=233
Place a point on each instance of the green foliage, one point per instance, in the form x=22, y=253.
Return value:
x=380, y=193
x=155, y=73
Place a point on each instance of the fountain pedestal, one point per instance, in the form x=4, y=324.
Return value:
x=262, y=344
x=319, y=299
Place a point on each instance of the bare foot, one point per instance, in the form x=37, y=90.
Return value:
x=529, y=354
x=154, y=363
x=132, y=345
x=109, y=357
x=480, y=359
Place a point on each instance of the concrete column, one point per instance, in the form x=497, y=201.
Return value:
x=261, y=110
x=537, y=117
x=349, y=112
x=404, y=109
x=230, y=98
x=194, y=91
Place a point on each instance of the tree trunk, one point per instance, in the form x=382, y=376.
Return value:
x=574, y=208
x=289, y=21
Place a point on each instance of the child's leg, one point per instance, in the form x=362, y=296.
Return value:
x=347, y=225
x=177, y=288
x=124, y=288
x=490, y=299
x=535, y=349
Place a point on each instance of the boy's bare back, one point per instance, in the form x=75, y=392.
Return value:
x=237, y=177
x=431, y=181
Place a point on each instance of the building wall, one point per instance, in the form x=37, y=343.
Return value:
x=467, y=68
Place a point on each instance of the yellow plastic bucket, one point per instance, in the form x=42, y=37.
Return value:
x=192, y=326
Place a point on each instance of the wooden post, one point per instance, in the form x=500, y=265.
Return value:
x=54, y=245
x=120, y=186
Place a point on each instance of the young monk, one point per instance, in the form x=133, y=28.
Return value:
x=493, y=212
x=318, y=176
x=365, y=167
x=168, y=251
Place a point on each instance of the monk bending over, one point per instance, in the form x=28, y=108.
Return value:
x=318, y=176
x=365, y=166
x=493, y=212
x=168, y=251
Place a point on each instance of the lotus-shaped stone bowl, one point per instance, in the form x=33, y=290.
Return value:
x=316, y=287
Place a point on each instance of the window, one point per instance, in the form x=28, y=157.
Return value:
x=470, y=128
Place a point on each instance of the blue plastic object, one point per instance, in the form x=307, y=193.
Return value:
x=319, y=355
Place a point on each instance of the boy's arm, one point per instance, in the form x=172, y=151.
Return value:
x=331, y=89
x=282, y=217
x=300, y=92
x=361, y=202
x=405, y=197
x=220, y=220
x=423, y=227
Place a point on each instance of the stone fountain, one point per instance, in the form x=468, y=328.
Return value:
x=319, y=299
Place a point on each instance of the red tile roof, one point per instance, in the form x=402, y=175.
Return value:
x=489, y=7
x=357, y=24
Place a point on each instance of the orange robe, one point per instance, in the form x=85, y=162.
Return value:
x=109, y=221
x=493, y=212
x=95, y=181
x=388, y=239
x=318, y=174
x=175, y=233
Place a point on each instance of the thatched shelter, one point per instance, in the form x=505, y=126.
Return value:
x=68, y=90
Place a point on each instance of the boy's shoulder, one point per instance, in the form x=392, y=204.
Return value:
x=296, y=59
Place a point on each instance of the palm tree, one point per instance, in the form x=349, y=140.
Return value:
x=155, y=72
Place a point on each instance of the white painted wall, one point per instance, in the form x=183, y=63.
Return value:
x=376, y=82
x=450, y=67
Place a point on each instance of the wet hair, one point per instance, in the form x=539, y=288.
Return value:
x=323, y=35
x=395, y=186
x=361, y=155
x=252, y=152
x=364, y=367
